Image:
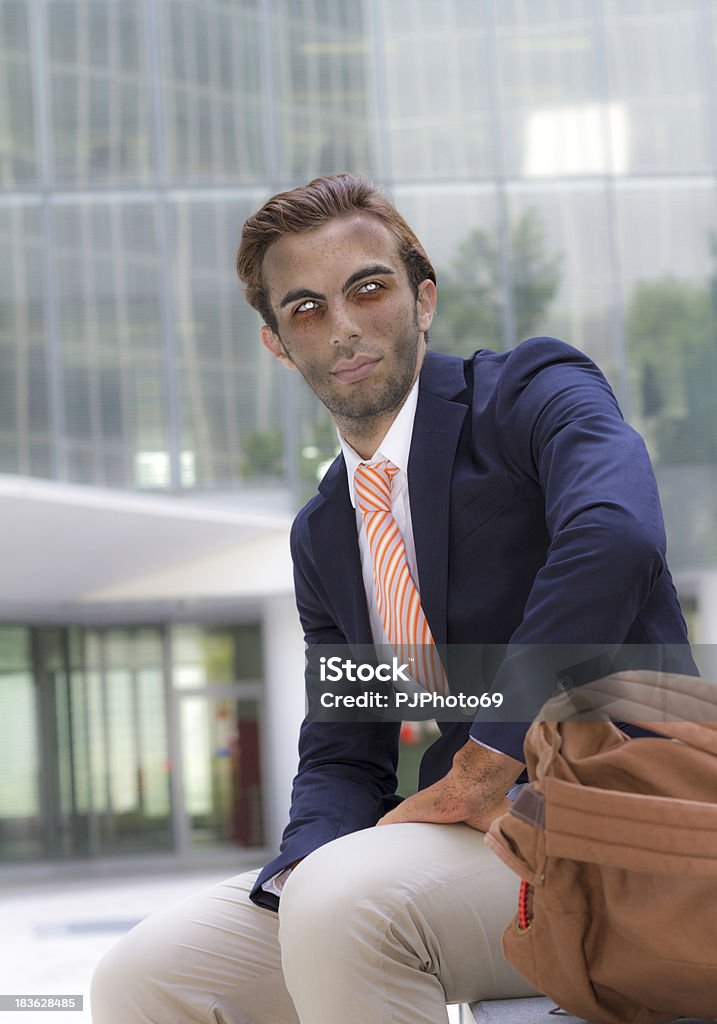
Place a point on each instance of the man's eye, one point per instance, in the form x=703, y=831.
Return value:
x=307, y=307
x=370, y=287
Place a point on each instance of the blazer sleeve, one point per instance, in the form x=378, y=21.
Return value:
x=347, y=770
x=559, y=424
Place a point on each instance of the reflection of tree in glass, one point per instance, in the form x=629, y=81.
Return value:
x=262, y=454
x=673, y=355
x=471, y=293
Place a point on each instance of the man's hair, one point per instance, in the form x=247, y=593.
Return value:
x=310, y=206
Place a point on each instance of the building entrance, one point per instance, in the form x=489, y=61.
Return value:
x=120, y=740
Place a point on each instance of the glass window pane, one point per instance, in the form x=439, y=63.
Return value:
x=80, y=740
x=560, y=270
x=138, y=762
x=214, y=109
x=231, y=413
x=196, y=761
x=210, y=655
x=222, y=771
x=668, y=236
x=658, y=79
x=552, y=115
x=248, y=655
x=437, y=99
x=458, y=228
x=113, y=377
x=18, y=159
x=112, y=781
x=100, y=91
x=101, y=802
x=122, y=742
x=154, y=764
x=25, y=442
x=63, y=838
x=323, y=63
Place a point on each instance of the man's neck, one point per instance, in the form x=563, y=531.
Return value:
x=365, y=436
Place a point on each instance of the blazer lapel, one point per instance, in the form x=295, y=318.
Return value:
x=436, y=432
x=332, y=526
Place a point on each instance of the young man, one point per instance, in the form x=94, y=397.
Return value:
x=512, y=505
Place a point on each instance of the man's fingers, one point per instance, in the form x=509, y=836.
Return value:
x=424, y=806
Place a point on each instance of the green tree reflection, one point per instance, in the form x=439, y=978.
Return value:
x=673, y=359
x=471, y=293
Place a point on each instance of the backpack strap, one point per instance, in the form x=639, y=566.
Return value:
x=529, y=806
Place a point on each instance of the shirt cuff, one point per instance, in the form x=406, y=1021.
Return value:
x=501, y=737
x=275, y=884
x=487, y=747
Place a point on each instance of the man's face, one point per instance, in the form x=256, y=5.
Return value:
x=346, y=315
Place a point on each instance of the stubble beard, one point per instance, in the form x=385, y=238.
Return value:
x=357, y=411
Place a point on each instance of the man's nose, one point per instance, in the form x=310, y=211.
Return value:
x=343, y=324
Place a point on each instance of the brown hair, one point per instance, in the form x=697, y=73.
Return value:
x=310, y=206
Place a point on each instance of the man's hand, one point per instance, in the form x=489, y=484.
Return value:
x=473, y=791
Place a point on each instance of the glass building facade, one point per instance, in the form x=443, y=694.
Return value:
x=558, y=159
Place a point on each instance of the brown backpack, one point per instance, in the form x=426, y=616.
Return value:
x=616, y=842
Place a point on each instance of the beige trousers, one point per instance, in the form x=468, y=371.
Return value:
x=384, y=925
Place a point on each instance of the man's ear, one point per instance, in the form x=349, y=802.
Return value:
x=272, y=342
x=426, y=304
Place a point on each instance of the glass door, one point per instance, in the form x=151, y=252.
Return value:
x=108, y=723
x=216, y=673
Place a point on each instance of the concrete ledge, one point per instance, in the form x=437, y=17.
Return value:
x=535, y=1010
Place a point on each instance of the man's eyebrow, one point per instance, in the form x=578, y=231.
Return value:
x=359, y=275
x=300, y=293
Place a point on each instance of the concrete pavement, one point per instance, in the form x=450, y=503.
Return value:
x=54, y=927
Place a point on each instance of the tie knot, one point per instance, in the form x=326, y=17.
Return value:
x=372, y=485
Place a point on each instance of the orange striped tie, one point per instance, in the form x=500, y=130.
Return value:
x=397, y=596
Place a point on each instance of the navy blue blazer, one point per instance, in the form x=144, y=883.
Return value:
x=536, y=521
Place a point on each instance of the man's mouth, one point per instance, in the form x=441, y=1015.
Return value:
x=351, y=370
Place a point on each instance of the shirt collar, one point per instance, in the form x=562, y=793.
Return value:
x=395, y=446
